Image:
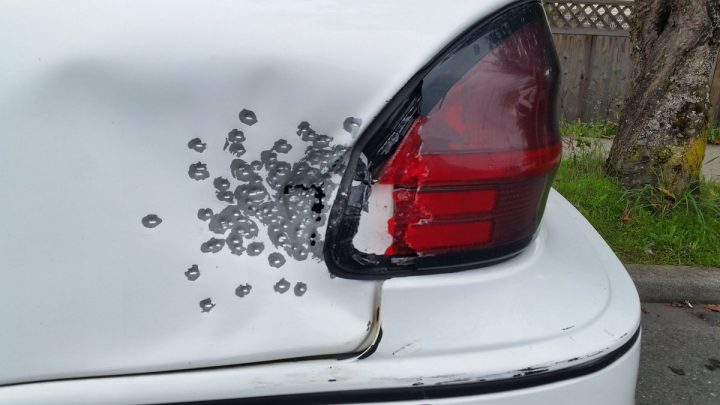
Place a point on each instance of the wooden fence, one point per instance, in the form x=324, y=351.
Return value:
x=593, y=44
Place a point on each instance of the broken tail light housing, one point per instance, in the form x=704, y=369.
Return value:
x=465, y=155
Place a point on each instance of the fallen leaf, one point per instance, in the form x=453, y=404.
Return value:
x=677, y=371
x=713, y=365
x=712, y=308
x=667, y=193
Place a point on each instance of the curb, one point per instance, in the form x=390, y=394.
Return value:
x=657, y=283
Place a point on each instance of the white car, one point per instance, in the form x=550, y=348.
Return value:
x=295, y=201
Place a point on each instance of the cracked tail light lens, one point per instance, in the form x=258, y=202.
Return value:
x=474, y=168
x=478, y=148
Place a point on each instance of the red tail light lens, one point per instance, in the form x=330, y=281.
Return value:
x=471, y=174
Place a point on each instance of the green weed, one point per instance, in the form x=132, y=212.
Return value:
x=596, y=129
x=643, y=226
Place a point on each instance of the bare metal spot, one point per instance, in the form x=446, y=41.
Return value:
x=282, y=146
x=151, y=221
x=213, y=245
x=300, y=289
x=243, y=290
x=192, y=273
x=206, y=305
x=247, y=117
x=198, y=171
x=352, y=125
x=255, y=248
x=276, y=259
x=236, y=136
x=237, y=149
x=221, y=183
x=234, y=243
x=197, y=145
x=204, y=214
x=281, y=286
x=226, y=196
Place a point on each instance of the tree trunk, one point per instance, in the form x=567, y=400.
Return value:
x=663, y=127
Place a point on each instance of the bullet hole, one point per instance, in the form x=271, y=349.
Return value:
x=281, y=286
x=288, y=201
x=225, y=196
x=206, y=305
x=192, y=273
x=221, y=183
x=247, y=117
x=305, y=132
x=255, y=248
x=235, y=136
x=197, y=145
x=282, y=146
x=352, y=125
x=300, y=289
x=213, y=245
x=151, y=221
x=243, y=290
x=237, y=149
x=198, y=171
x=235, y=244
x=204, y=214
x=276, y=260
x=233, y=142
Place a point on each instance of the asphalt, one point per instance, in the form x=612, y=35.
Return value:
x=680, y=349
x=675, y=362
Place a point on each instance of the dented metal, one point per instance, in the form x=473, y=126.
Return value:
x=286, y=199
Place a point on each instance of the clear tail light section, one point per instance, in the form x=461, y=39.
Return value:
x=468, y=149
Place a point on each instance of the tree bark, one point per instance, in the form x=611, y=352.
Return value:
x=663, y=127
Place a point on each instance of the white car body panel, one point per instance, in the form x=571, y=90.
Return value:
x=98, y=101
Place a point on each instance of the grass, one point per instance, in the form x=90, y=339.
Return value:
x=643, y=226
x=596, y=129
x=714, y=135
x=608, y=129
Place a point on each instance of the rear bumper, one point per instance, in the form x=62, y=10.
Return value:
x=565, y=304
x=607, y=380
x=614, y=384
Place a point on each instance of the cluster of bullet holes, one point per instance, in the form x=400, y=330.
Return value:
x=287, y=199
x=283, y=286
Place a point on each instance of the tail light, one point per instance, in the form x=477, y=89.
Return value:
x=464, y=155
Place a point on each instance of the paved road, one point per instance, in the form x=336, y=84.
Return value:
x=684, y=339
x=711, y=166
